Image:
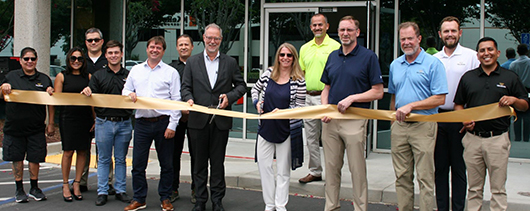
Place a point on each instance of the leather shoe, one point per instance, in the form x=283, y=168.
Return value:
x=101, y=200
x=122, y=197
x=134, y=205
x=199, y=206
x=309, y=178
x=166, y=205
x=218, y=206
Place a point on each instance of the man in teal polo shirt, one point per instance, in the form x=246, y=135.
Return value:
x=313, y=57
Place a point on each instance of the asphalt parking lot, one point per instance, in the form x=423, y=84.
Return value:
x=50, y=182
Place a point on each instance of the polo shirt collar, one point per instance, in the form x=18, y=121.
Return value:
x=458, y=51
x=120, y=72
x=496, y=71
x=418, y=59
x=31, y=77
x=325, y=42
x=179, y=61
x=354, y=52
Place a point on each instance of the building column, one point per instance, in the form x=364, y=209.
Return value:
x=32, y=29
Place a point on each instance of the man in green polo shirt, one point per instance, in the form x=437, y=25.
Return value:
x=313, y=57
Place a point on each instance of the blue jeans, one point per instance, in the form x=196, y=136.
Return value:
x=109, y=134
x=144, y=134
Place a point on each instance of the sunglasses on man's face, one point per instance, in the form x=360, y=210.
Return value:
x=80, y=59
x=30, y=58
x=93, y=40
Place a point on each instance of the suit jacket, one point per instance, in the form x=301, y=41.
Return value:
x=196, y=86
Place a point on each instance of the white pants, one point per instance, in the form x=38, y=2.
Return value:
x=275, y=195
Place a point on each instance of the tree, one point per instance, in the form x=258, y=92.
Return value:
x=509, y=14
x=428, y=13
x=228, y=14
x=6, y=23
x=144, y=15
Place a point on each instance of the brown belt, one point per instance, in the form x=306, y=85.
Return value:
x=314, y=93
x=154, y=119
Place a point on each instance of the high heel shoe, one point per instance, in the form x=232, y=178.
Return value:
x=76, y=197
x=67, y=198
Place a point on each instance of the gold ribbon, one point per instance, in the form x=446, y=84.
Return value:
x=490, y=111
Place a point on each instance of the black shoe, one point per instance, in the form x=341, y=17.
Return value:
x=199, y=206
x=83, y=188
x=218, y=206
x=123, y=197
x=37, y=194
x=76, y=197
x=193, y=199
x=20, y=196
x=174, y=196
x=111, y=190
x=101, y=200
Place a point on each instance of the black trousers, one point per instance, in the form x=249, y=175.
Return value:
x=180, y=135
x=448, y=155
x=209, y=144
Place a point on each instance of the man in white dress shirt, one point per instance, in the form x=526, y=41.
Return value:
x=156, y=79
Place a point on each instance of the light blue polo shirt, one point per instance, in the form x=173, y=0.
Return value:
x=416, y=81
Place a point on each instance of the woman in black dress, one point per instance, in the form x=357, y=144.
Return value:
x=75, y=122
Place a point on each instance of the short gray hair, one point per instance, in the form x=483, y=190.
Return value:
x=92, y=30
x=215, y=26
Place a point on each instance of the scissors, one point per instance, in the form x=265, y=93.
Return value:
x=218, y=105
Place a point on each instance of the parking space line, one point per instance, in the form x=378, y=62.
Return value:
x=25, y=169
x=12, y=199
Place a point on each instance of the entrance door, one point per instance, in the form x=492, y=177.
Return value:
x=289, y=22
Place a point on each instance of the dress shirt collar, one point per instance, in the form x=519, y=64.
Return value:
x=208, y=58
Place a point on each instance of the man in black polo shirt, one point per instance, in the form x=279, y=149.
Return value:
x=113, y=126
x=96, y=60
x=25, y=124
x=184, y=47
x=487, y=143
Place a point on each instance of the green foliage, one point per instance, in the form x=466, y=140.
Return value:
x=228, y=14
x=6, y=23
x=510, y=14
x=428, y=13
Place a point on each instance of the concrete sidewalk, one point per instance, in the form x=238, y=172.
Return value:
x=242, y=172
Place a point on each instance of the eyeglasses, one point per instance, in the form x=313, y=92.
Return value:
x=93, y=40
x=286, y=54
x=30, y=58
x=79, y=59
x=212, y=38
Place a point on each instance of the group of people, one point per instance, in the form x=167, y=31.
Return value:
x=345, y=74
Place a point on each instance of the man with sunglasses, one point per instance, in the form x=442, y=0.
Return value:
x=213, y=79
x=313, y=57
x=24, y=129
x=352, y=78
x=96, y=60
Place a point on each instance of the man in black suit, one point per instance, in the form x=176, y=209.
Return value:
x=210, y=79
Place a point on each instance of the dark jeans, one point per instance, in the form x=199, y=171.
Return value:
x=144, y=133
x=209, y=144
x=448, y=154
x=177, y=152
x=521, y=127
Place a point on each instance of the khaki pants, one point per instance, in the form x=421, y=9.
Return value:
x=350, y=136
x=313, y=129
x=491, y=154
x=413, y=145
